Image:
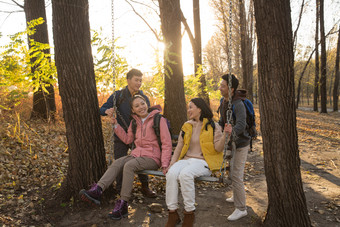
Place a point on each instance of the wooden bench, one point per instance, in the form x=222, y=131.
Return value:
x=160, y=174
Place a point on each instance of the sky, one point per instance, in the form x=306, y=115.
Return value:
x=140, y=43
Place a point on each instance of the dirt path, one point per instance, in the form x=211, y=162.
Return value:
x=319, y=144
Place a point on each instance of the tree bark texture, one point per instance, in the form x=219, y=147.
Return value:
x=198, y=51
x=71, y=31
x=323, y=79
x=317, y=64
x=174, y=103
x=250, y=52
x=43, y=103
x=243, y=34
x=286, y=199
x=336, y=78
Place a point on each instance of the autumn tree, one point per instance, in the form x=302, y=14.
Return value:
x=241, y=34
x=317, y=64
x=337, y=75
x=323, y=79
x=71, y=32
x=196, y=44
x=174, y=99
x=43, y=97
x=286, y=198
x=246, y=40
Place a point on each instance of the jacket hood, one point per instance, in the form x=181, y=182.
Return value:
x=240, y=94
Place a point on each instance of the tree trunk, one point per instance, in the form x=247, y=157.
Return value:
x=174, y=103
x=250, y=50
x=317, y=69
x=198, y=52
x=336, y=78
x=323, y=80
x=243, y=34
x=43, y=103
x=71, y=31
x=300, y=79
x=286, y=199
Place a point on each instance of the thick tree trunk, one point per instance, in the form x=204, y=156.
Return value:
x=174, y=103
x=71, y=31
x=286, y=199
x=336, y=78
x=198, y=51
x=323, y=79
x=43, y=103
x=317, y=64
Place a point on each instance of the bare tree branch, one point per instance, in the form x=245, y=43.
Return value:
x=7, y=3
x=298, y=25
x=21, y=6
x=148, y=6
x=17, y=11
x=187, y=29
x=154, y=32
x=305, y=67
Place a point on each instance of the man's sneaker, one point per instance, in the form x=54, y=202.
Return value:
x=237, y=214
x=93, y=195
x=120, y=211
x=230, y=200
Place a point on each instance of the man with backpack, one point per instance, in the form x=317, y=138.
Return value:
x=123, y=115
x=239, y=136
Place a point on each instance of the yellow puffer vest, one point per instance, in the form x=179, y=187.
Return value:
x=211, y=156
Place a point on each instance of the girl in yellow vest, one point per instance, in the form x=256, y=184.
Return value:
x=199, y=151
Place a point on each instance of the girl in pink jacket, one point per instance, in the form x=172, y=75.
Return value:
x=146, y=155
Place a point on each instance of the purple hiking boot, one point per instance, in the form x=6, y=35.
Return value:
x=120, y=211
x=92, y=195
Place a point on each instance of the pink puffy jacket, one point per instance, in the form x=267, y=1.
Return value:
x=146, y=139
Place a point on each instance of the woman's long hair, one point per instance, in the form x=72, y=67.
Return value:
x=205, y=111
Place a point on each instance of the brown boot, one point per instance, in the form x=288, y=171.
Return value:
x=173, y=219
x=189, y=218
x=147, y=192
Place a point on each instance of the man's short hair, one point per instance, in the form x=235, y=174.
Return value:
x=133, y=72
x=234, y=80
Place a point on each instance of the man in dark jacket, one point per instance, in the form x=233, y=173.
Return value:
x=241, y=137
x=122, y=99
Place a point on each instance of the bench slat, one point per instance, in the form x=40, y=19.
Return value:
x=160, y=173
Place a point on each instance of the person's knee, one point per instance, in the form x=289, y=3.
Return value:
x=129, y=166
x=185, y=176
x=171, y=176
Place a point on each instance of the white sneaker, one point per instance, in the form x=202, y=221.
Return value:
x=237, y=214
x=230, y=200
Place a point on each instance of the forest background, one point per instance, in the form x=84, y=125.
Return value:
x=31, y=85
x=138, y=47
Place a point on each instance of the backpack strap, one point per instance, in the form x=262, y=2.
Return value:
x=156, y=122
x=134, y=127
x=120, y=99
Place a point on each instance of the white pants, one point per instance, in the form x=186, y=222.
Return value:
x=184, y=171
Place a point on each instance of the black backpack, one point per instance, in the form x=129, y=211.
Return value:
x=156, y=127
